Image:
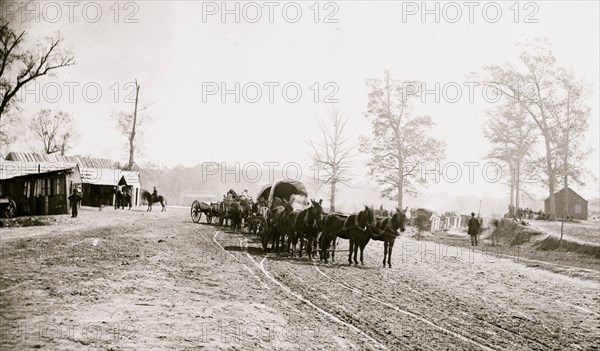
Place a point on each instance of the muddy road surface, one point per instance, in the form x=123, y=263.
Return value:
x=131, y=280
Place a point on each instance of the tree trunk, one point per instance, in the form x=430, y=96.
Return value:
x=132, y=135
x=512, y=188
x=400, y=183
x=518, y=186
x=332, y=197
x=565, y=180
x=551, y=180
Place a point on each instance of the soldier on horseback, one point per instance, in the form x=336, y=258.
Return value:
x=154, y=195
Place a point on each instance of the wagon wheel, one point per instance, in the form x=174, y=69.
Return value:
x=11, y=209
x=195, y=211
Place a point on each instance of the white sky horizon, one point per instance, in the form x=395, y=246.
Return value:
x=172, y=52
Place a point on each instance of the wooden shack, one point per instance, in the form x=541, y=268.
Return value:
x=577, y=205
x=41, y=193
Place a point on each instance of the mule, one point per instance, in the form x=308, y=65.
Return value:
x=152, y=200
x=386, y=230
x=355, y=228
x=292, y=233
x=308, y=226
x=358, y=233
x=332, y=225
x=280, y=225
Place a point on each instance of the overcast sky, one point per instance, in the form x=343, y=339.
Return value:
x=175, y=48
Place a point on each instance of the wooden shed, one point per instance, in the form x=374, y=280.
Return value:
x=578, y=206
x=99, y=177
x=41, y=193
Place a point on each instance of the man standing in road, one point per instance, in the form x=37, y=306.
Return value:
x=473, y=229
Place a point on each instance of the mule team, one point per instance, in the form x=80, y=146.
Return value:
x=287, y=227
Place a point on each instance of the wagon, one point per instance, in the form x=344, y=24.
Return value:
x=222, y=211
x=8, y=207
x=205, y=206
x=273, y=196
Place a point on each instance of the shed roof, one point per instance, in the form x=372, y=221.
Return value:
x=74, y=169
x=89, y=175
x=568, y=189
x=12, y=169
x=82, y=161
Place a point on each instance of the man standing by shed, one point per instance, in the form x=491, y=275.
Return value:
x=74, y=198
x=473, y=229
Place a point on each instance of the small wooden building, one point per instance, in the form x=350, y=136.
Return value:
x=42, y=193
x=100, y=177
x=577, y=205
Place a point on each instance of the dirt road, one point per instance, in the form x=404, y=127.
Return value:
x=129, y=280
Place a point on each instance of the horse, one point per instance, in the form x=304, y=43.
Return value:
x=151, y=200
x=307, y=226
x=386, y=230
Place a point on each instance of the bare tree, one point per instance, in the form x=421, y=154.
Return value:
x=536, y=86
x=129, y=125
x=19, y=67
x=571, y=125
x=9, y=131
x=53, y=130
x=332, y=154
x=401, y=142
x=513, y=136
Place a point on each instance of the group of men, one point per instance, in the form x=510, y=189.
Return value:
x=525, y=213
x=123, y=198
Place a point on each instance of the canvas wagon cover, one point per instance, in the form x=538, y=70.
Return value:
x=283, y=189
x=265, y=191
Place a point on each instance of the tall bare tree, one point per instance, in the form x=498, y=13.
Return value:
x=129, y=125
x=536, y=85
x=400, y=143
x=513, y=137
x=54, y=130
x=332, y=154
x=19, y=66
x=570, y=128
x=572, y=123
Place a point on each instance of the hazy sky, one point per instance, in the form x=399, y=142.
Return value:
x=176, y=47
